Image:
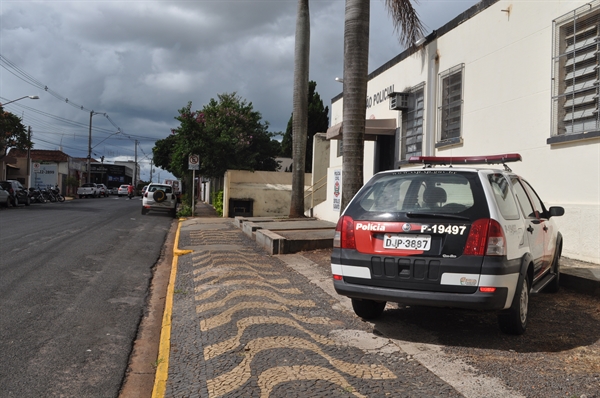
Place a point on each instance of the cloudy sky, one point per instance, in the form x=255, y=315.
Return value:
x=141, y=61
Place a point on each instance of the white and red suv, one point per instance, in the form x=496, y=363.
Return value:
x=448, y=235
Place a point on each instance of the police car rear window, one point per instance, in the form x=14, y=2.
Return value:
x=417, y=192
x=420, y=191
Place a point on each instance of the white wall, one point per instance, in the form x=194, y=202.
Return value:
x=270, y=191
x=507, y=95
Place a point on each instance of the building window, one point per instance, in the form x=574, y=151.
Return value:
x=411, y=139
x=340, y=147
x=575, y=80
x=450, y=109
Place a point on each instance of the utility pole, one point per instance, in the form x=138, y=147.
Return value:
x=136, y=167
x=29, y=157
x=89, y=156
x=151, y=169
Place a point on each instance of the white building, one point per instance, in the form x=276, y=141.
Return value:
x=503, y=77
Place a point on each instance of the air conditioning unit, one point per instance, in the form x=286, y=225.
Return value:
x=398, y=101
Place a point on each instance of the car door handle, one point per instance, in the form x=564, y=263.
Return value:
x=530, y=229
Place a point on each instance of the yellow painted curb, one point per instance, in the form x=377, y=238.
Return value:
x=164, y=348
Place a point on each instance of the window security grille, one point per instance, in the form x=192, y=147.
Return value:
x=575, y=71
x=451, y=100
x=411, y=140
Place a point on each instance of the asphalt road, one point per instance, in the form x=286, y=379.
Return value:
x=74, y=279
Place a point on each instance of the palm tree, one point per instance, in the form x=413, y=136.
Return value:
x=356, y=63
x=300, y=108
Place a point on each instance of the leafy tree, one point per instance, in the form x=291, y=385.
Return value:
x=13, y=134
x=162, y=153
x=356, y=62
x=318, y=122
x=226, y=134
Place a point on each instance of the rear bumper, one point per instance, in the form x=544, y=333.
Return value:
x=474, y=301
x=157, y=208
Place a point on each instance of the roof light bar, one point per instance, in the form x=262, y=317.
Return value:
x=493, y=159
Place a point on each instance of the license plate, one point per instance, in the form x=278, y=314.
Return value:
x=407, y=242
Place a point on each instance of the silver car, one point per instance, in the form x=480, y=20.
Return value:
x=123, y=190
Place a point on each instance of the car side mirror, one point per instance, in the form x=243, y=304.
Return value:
x=556, y=211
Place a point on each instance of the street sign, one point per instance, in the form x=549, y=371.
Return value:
x=194, y=162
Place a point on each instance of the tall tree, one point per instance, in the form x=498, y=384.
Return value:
x=226, y=134
x=356, y=64
x=318, y=122
x=13, y=134
x=300, y=108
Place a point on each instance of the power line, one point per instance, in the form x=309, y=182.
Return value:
x=26, y=77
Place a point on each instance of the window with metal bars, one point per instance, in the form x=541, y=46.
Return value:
x=411, y=139
x=451, y=101
x=575, y=71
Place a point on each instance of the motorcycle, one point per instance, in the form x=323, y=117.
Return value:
x=56, y=193
x=48, y=195
x=36, y=196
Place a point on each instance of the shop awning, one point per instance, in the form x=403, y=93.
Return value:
x=373, y=128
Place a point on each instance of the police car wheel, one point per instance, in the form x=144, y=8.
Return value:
x=368, y=309
x=514, y=320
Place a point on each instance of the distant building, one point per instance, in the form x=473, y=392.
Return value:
x=46, y=168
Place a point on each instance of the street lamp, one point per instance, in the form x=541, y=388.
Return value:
x=89, y=157
x=18, y=99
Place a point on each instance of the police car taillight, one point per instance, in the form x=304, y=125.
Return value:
x=344, y=233
x=485, y=238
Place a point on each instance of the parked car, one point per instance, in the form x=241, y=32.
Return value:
x=88, y=190
x=102, y=190
x=159, y=197
x=18, y=193
x=4, y=197
x=448, y=236
x=122, y=191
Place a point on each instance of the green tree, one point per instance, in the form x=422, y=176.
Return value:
x=318, y=122
x=356, y=62
x=226, y=134
x=13, y=134
x=300, y=108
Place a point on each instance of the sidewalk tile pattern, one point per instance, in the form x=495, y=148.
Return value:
x=246, y=325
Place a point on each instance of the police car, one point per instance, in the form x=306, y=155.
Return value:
x=449, y=234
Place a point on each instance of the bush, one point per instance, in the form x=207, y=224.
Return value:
x=218, y=202
x=184, y=210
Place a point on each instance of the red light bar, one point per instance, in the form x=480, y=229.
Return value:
x=493, y=159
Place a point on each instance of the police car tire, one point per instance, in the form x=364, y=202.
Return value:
x=368, y=309
x=514, y=320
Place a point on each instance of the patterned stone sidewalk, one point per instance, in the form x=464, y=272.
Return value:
x=244, y=324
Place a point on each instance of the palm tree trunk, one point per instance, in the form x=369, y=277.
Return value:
x=356, y=69
x=356, y=63
x=300, y=108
